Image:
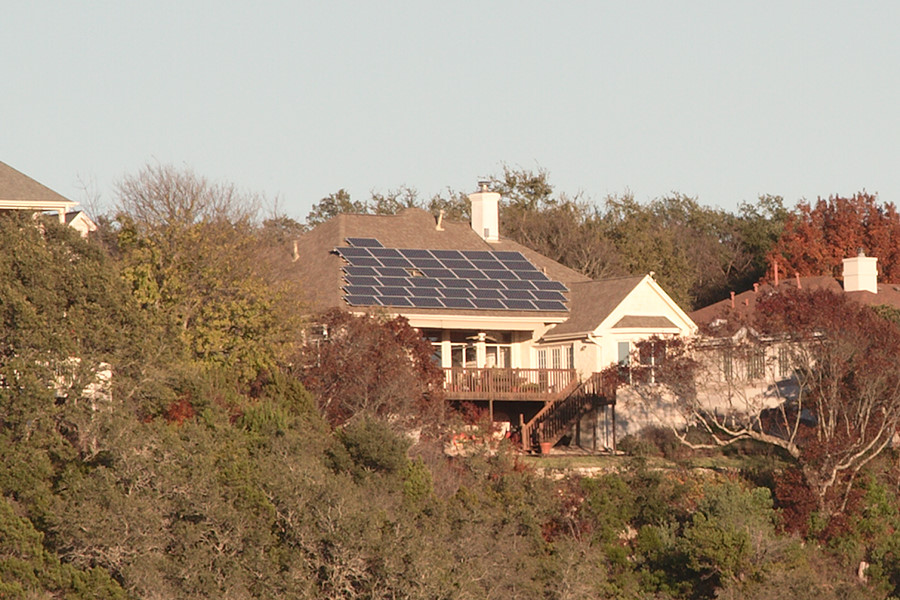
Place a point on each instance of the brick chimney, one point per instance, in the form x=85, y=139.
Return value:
x=861, y=273
x=485, y=213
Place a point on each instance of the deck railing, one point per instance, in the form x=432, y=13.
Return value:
x=464, y=383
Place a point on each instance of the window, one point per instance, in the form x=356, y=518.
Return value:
x=624, y=353
x=462, y=355
x=556, y=357
x=784, y=362
x=498, y=355
x=434, y=337
x=756, y=364
x=727, y=364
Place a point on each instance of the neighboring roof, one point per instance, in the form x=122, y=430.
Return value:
x=17, y=186
x=590, y=302
x=412, y=228
x=80, y=222
x=642, y=322
x=745, y=302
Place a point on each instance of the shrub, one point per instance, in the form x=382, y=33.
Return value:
x=373, y=447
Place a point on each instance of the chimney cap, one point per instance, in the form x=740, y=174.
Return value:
x=483, y=185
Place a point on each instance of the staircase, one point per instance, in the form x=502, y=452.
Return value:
x=556, y=418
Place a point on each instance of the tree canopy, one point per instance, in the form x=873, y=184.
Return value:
x=818, y=236
x=210, y=470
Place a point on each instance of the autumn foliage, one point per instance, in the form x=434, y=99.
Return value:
x=818, y=236
x=847, y=405
x=372, y=366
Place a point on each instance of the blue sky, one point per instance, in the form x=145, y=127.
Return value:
x=723, y=101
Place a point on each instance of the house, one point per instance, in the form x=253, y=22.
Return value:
x=514, y=331
x=20, y=192
x=744, y=372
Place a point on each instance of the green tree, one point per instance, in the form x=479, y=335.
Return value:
x=193, y=254
x=332, y=205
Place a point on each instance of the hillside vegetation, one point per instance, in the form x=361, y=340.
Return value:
x=221, y=461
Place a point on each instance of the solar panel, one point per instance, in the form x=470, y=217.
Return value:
x=457, y=263
x=362, y=300
x=360, y=290
x=519, y=304
x=385, y=252
x=364, y=242
x=356, y=280
x=487, y=265
x=469, y=274
x=347, y=252
x=426, y=263
x=504, y=256
x=362, y=271
x=517, y=294
x=438, y=273
x=488, y=303
x=442, y=254
x=420, y=292
x=457, y=303
x=394, y=281
x=395, y=301
x=396, y=262
x=426, y=302
x=423, y=278
x=532, y=275
x=415, y=253
x=392, y=272
x=455, y=283
x=361, y=261
x=519, y=266
x=501, y=275
x=487, y=283
x=550, y=285
x=393, y=291
x=519, y=285
x=428, y=282
x=487, y=293
x=542, y=295
x=456, y=293
x=549, y=305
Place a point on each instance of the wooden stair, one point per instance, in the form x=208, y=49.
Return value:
x=556, y=418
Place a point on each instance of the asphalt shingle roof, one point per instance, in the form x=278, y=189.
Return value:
x=15, y=185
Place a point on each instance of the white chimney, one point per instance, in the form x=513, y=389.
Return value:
x=485, y=213
x=861, y=273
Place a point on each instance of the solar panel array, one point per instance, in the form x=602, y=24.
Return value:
x=456, y=279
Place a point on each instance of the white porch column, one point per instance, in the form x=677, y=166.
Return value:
x=481, y=350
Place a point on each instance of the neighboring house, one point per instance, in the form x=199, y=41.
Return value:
x=20, y=192
x=80, y=222
x=859, y=280
x=513, y=330
x=744, y=372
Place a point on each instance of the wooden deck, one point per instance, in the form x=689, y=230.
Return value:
x=463, y=383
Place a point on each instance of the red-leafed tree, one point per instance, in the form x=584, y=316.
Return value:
x=371, y=366
x=818, y=236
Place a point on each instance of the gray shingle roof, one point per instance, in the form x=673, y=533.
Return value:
x=15, y=185
x=591, y=302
